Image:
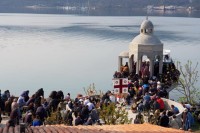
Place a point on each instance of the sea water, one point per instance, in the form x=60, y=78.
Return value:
x=70, y=52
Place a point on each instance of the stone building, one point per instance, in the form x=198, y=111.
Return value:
x=146, y=44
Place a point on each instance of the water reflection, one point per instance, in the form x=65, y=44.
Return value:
x=70, y=52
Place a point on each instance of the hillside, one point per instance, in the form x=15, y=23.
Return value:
x=17, y=5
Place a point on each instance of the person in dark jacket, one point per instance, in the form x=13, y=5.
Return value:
x=31, y=100
x=69, y=118
x=4, y=98
x=26, y=96
x=106, y=97
x=164, y=120
x=60, y=95
x=85, y=113
x=41, y=113
x=8, y=106
x=94, y=114
x=39, y=93
x=78, y=120
x=28, y=118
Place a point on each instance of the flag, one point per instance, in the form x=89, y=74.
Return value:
x=119, y=84
x=116, y=91
x=116, y=82
x=125, y=90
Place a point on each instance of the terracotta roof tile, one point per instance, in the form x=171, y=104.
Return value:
x=52, y=129
x=35, y=129
x=136, y=128
x=46, y=129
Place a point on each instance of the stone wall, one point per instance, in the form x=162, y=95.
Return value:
x=168, y=104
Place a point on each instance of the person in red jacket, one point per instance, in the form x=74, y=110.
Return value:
x=161, y=103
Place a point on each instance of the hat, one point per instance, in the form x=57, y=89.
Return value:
x=158, y=83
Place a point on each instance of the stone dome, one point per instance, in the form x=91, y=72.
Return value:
x=146, y=27
x=146, y=36
x=145, y=39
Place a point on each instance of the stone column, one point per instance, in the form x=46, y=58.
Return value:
x=140, y=62
x=151, y=65
x=160, y=64
x=130, y=64
x=138, y=65
x=119, y=63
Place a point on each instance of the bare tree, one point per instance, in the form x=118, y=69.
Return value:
x=187, y=81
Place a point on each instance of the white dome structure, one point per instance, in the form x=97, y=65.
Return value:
x=146, y=25
x=145, y=44
x=143, y=39
x=146, y=36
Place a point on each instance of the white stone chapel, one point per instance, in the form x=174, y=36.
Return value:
x=146, y=44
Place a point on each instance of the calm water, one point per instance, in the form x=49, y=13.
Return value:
x=63, y=52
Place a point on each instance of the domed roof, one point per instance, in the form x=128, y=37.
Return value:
x=145, y=39
x=146, y=24
x=146, y=36
x=146, y=27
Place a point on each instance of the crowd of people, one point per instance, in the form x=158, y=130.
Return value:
x=144, y=96
x=147, y=93
x=35, y=110
x=169, y=74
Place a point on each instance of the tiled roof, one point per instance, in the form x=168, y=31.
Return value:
x=131, y=128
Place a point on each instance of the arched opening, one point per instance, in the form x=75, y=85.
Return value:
x=156, y=65
x=132, y=65
x=125, y=68
x=145, y=67
x=125, y=61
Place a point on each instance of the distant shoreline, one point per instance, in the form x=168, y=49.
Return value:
x=93, y=11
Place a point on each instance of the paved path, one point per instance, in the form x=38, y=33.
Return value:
x=131, y=114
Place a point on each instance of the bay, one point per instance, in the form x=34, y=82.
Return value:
x=69, y=52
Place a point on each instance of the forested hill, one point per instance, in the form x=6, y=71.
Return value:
x=17, y=4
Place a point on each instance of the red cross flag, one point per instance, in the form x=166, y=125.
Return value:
x=120, y=85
